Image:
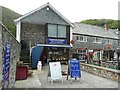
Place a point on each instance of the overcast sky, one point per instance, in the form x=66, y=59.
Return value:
x=73, y=10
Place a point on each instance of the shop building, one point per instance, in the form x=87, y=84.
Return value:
x=47, y=29
x=100, y=43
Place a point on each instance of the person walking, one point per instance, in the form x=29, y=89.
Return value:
x=43, y=58
x=86, y=58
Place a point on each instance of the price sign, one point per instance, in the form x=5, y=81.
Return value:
x=55, y=70
x=75, y=69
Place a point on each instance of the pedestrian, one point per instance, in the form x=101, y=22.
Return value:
x=43, y=58
x=86, y=58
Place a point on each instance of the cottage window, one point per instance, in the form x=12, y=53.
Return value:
x=108, y=41
x=83, y=39
x=77, y=37
x=97, y=40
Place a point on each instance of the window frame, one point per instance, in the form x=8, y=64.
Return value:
x=84, y=39
x=57, y=30
x=108, y=41
x=77, y=37
x=95, y=40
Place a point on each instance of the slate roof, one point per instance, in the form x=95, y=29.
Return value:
x=86, y=29
x=40, y=8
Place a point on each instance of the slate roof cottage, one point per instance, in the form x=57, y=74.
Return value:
x=90, y=39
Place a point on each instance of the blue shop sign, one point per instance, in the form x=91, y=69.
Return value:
x=56, y=41
x=75, y=68
x=6, y=65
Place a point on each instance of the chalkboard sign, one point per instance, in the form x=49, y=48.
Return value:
x=6, y=65
x=75, y=68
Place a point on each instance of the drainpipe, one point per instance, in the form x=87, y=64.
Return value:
x=30, y=53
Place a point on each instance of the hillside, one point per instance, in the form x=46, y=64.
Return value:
x=113, y=24
x=8, y=17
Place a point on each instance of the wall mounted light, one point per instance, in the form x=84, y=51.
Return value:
x=47, y=8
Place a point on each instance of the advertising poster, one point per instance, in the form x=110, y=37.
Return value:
x=75, y=69
x=6, y=65
x=55, y=70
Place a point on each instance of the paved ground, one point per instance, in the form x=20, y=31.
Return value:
x=39, y=80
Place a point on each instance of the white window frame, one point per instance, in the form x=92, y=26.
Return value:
x=84, y=39
x=95, y=40
x=75, y=37
x=78, y=39
x=108, y=41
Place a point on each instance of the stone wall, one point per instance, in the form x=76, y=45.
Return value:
x=32, y=33
x=91, y=45
x=7, y=37
x=1, y=60
x=107, y=64
x=101, y=71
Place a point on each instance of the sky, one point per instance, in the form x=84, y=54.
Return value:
x=73, y=10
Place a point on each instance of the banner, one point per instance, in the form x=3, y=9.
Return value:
x=75, y=68
x=6, y=65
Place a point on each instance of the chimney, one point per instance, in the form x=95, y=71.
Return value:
x=106, y=26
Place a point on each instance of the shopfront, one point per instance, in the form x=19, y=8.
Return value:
x=54, y=53
x=57, y=42
x=47, y=28
x=80, y=53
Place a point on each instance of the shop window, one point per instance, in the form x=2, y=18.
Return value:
x=52, y=30
x=56, y=31
x=61, y=31
x=97, y=40
x=82, y=54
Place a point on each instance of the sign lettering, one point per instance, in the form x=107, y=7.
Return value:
x=56, y=41
x=75, y=69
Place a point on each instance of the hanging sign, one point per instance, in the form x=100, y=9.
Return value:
x=55, y=70
x=6, y=65
x=75, y=68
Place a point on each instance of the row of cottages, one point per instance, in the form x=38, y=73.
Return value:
x=44, y=31
x=99, y=43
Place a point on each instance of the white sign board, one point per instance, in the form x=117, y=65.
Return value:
x=90, y=50
x=55, y=70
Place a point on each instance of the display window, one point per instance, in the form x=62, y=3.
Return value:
x=82, y=52
x=58, y=54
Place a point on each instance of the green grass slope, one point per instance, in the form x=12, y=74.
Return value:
x=8, y=17
x=113, y=24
